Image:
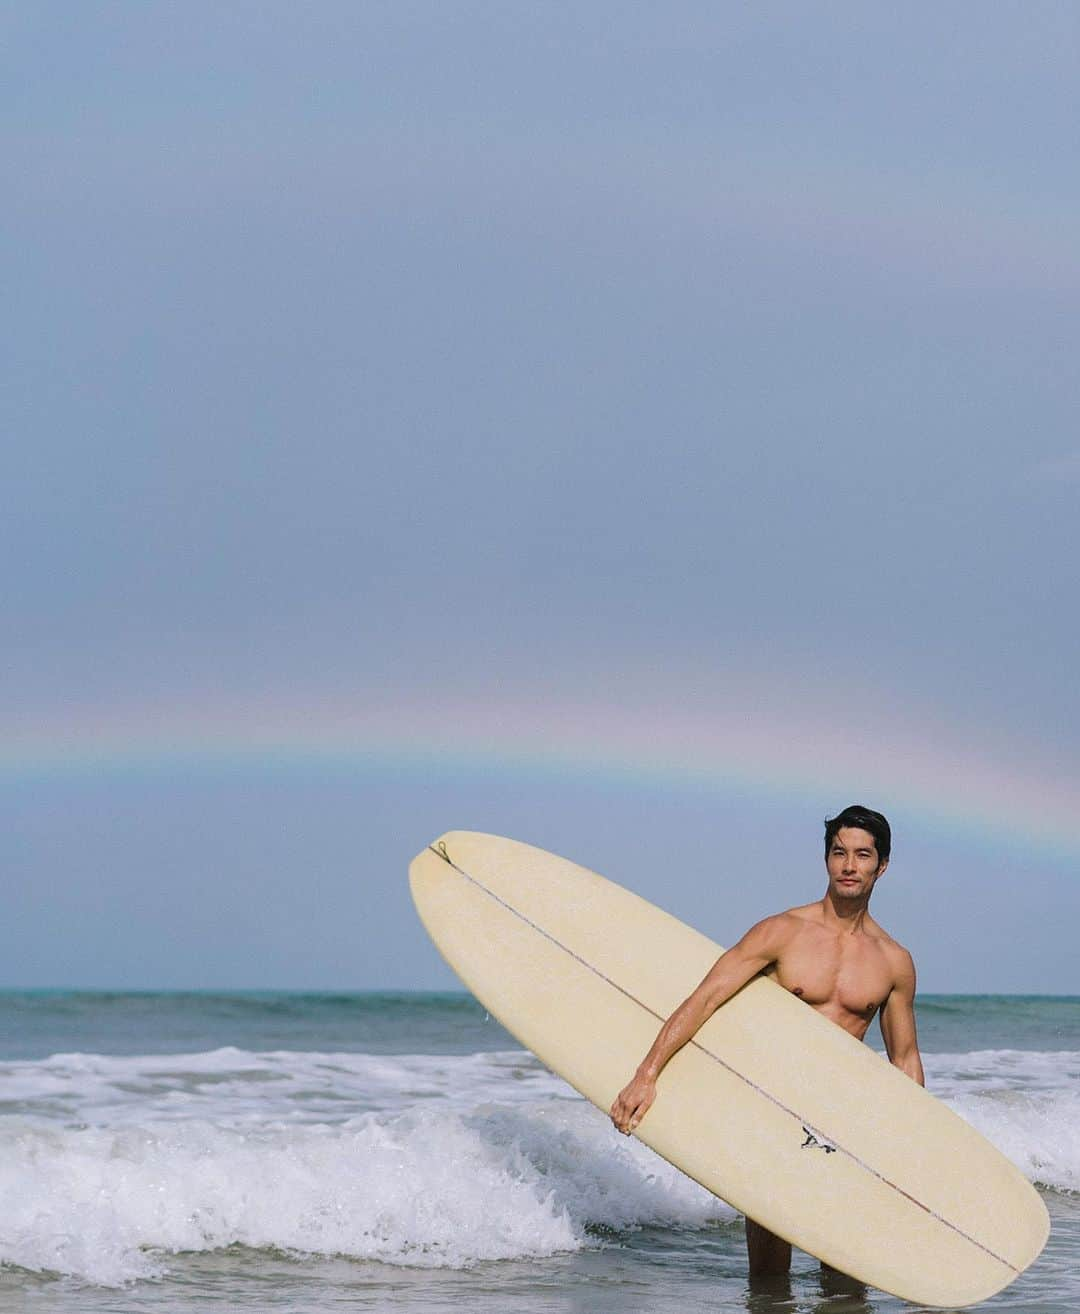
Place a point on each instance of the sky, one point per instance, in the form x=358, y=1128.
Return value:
x=638, y=430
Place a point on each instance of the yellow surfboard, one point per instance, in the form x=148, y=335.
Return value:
x=771, y=1107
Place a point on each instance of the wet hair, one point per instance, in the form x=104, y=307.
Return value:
x=864, y=819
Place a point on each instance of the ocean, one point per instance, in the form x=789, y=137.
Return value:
x=301, y=1152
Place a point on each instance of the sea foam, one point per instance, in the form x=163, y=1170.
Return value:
x=429, y=1188
x=108, y=1165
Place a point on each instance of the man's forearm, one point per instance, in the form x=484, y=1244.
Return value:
x=911, y=1065
x=681, y=1027
x=730, y=971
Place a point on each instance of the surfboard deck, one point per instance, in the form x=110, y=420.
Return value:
x=771, y=1107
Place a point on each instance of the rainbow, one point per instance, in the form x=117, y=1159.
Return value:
x=946, y=787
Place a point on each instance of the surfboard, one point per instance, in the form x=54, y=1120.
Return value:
x=771, y=1107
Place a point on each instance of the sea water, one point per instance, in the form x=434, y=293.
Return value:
x=296, y=1152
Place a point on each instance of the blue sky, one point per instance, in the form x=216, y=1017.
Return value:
x=521, y=380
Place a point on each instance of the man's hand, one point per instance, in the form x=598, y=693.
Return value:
x=632, y=1103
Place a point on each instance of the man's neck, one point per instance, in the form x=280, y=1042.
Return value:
x=845, y=915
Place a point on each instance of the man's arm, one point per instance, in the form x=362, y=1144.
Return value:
x=898, y=1022
x=758, y=949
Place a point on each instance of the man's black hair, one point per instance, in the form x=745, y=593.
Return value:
x=864, y=819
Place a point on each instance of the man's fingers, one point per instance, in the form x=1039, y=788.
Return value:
x=621, y=1116
x=626, y=1114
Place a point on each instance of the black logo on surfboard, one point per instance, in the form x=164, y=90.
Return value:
x=812, y=1143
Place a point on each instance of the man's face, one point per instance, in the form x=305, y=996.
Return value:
x=852, y=863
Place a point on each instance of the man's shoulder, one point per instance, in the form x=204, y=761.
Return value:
x=888, y=942
x=802, y=914
x=791, y=922
x=902, y=957
x=899, y=958
x=773, y=931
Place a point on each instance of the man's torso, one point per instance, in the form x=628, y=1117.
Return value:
x=847, y=976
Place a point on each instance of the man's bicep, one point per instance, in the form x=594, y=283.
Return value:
x=898, y=1014
x=757, y=950
x=901, y=1041
x=905, y=978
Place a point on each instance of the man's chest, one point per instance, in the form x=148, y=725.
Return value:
x=852, y=972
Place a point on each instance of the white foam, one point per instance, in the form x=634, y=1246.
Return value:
x=108, y=1165
x=429, y=1188
x=1002, y=1069
x=1025, y=1102
x=1038, y=1131
x=237, y=1084
x=319, y=1087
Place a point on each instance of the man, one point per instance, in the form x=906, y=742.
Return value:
x=833, y=955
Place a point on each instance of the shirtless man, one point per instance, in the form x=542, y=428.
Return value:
x=833, y=955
